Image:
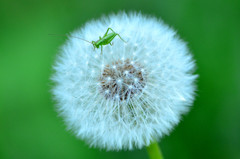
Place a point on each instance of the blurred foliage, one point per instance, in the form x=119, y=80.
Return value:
x=29, y=125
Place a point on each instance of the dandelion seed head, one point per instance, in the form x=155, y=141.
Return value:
x=132, y=93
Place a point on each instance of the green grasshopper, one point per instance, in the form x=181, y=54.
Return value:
x=106, y=39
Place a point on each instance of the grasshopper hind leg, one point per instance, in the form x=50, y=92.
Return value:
x=121, y=38
x=108, y=31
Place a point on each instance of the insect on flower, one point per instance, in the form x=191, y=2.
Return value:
x=106, y=39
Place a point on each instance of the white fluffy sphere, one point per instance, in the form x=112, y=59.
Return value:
x=133, y=93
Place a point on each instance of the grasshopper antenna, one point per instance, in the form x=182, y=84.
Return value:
x=70, y=36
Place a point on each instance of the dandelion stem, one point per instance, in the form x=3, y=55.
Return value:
x=154, y=151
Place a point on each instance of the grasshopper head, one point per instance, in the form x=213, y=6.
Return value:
x=94, y=44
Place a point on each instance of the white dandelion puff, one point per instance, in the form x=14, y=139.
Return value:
x=131, y=94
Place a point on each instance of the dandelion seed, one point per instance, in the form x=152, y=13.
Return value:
x=129, y=95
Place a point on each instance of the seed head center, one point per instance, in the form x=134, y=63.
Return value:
x=122, y=80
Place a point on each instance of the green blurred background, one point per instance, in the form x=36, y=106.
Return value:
x=31, y=129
